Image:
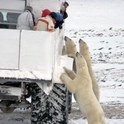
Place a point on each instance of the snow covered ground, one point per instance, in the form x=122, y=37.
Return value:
x=109, y=121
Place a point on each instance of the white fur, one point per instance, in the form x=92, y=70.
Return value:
x=81, y=85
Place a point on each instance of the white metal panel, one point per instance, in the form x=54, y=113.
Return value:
x=36, y=54
x=59, y=60
x=9, y=48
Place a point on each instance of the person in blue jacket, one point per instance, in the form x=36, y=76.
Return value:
x=59, y=20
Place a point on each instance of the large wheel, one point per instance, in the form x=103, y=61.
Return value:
x=52, y=108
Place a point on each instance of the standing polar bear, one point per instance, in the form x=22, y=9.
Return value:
x=83, y=83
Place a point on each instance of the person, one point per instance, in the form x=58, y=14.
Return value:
x=45, y=12
x=26, y=20
x=59, y=20
x=63, y=9
x=46, y=23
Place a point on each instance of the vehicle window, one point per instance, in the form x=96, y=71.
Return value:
x=9, y=12
x=12, y=17
x=8, y=19
x=1, y=17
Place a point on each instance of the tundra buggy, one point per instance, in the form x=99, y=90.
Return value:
x=28, y=65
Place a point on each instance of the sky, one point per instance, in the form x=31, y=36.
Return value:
x=95, y=14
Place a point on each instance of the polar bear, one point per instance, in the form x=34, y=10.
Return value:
x=81, y=84
x=70, y=50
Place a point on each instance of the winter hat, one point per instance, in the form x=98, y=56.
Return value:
x=29, y=8
x=45, y=12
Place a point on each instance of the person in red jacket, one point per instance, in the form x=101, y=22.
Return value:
x=46, y=22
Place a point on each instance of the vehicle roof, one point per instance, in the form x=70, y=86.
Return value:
x=13, y=5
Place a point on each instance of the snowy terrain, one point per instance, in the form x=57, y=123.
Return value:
x=101, y=24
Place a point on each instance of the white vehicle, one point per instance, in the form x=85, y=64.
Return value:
x=28, y=65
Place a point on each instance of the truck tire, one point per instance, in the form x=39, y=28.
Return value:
x=52, y=108
x=69, y=102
